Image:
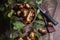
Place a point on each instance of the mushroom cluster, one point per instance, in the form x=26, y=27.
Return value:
x=25, y=12
x=30, y=37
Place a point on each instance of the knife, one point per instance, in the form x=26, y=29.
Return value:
x=45, y=13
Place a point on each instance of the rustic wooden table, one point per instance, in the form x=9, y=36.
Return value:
x=53, y=10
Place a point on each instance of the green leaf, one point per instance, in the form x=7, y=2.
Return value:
x=39, y=16
x=6, y=5
x=38, y=11
x=37, y=34
x=39, y=1
x=20, y=34
x=39, y=23
x=10, y=1
x=32, y=3
x=10, y=13
x=18, y=25
x=11, y=35
x=2, y=8
x=26, y=1
x=18, y=1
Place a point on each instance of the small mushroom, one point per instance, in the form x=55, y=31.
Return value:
x=32, y=34
x=20, y=39
x=21, y=6
x=30, y=17
x=28, y=38
x=41, y=30
x=27, y=5
x=18, y=13
x=25, y=12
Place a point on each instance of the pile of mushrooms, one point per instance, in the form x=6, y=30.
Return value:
x=25, y=12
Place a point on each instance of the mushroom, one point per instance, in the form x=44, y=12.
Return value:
x=32, y=35
x=27, y=5
x=21, y=6
x=30, y=17
x=20, y=39
x=28, y=38
x=25, y=12
x=18, y=12
x=41, y=30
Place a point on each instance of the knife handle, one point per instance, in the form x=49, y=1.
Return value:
x=50, y=18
